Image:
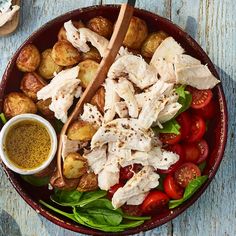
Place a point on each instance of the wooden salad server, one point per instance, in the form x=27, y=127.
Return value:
x=121, y=27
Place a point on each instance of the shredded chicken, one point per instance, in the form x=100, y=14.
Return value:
x=121, y=109
x=69, y=146
x=184, y=60
x=62, y=89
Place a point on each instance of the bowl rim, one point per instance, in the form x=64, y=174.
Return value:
x=148, y=225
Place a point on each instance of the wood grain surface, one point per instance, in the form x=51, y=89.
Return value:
x=212, y=23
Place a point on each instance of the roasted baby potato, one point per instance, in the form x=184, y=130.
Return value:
x=31, y=83
x=152, y=42
x=88, y=182
x=136, y=34
x=43, y=107
x=101, y=26
x=87, y=72
x=64, y=54
x=62, y=33
x=74, y=166
x=47, y=66
x=92, y=54
x=99, y=99
x=81, y=131
x=17, y=103
x=28, y=59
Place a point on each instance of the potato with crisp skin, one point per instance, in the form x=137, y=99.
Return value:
x=74, y=166
x=62, y=33
x=88, y=182
x=99, y=99
x=64, y=54
x=136, y=34
x=31, y=83
x=101, y=26
x=152, y=42
x=87, y=72
x=28, y=59
x=81, y=131
x=92, y=54
x=47, y=66
x=43, y=107
x=17, y=103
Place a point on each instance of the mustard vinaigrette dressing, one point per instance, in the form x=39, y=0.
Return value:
x=28, y=144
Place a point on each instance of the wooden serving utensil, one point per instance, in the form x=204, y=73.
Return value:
x=121, y=27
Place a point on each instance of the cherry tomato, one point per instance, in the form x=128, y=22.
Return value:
x=203, y=149
x=127, y=172
x=132, y=210
x=198, y=129
x=113, y=189
x=186, y=173
x=170, y=138
x=184, y=121
x=155, y=200
x=200, y=98
x=208, y=111
x=176, y=148
x=192, y=152
x=172, y=189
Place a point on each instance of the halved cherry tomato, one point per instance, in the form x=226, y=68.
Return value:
x=200, y=98
x=172, y=189
x=113, y=189
x=155, y=200
x=184, y=121
x=170, y=138
x=176, y=148
x=203, y=149
x=198, y=129
x=192, y=152
x=186, y=173
x=208, y=111
x=127, y=172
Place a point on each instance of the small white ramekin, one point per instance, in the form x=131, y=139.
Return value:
x=3, y=135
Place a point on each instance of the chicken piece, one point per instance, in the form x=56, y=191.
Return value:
x=167, y=50
x=125, y=90
x=68, y=146
x=168, y=112
x=181, y=61
x=79, y=38
x=136, y=69
x=127, y=133
x=97, y=159
x=109, y=176
x=92, y=115
x=111, y=98
x=139, y=184
x=197, y=76
x=7, y=15
x=121, y=153
x=123, y=52
x=121, y=109
x=62, y=89
x=137, y=200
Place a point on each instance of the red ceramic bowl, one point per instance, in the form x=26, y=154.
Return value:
x=45, y=37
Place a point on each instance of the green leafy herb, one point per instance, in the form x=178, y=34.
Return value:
x=66, y=198
x=185, y=98
x=160, y=186
x=202, y=166
x=58, y=126
x=171, y=126
x=137, y=217
x=91, y=196
x=192, y=187
x=3, y=118
x=36, y=181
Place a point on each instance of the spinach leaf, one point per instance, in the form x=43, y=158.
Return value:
x=192, y=187
x=185, y=99
x=3, y=118
x=66, y=198
x=136, y=217
x=90, y=197
x=171, y=126
x=36, y=181
x=202, y=166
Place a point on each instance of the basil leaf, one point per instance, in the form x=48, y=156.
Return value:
x=3, y=118
x=66, y=198
x=91, y=196
x=202, y=166
x=36, y=181
x=185, y=99
x=192, y=187
x=171, y=126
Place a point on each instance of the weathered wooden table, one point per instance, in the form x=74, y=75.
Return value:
x=212, y=23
